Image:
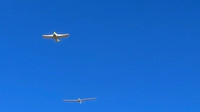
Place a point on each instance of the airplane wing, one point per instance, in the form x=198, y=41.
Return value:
x=88, y=99
x=47, y=36
x=62, y=35
x=71, y=100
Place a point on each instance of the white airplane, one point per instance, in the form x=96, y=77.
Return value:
x=80, y=100
x=56, y=36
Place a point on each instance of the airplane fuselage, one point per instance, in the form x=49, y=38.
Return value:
x=79, y=100
x=55, y=36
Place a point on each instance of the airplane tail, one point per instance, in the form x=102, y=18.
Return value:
x=57, y=40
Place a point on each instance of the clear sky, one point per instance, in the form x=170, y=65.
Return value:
x=133, y=55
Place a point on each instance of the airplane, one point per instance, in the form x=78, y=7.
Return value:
x=56, y=36
x=80, y=100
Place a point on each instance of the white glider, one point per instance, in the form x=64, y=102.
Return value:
x=80, y=100
x=56, y=36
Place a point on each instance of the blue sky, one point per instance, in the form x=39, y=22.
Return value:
x=134, y=56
